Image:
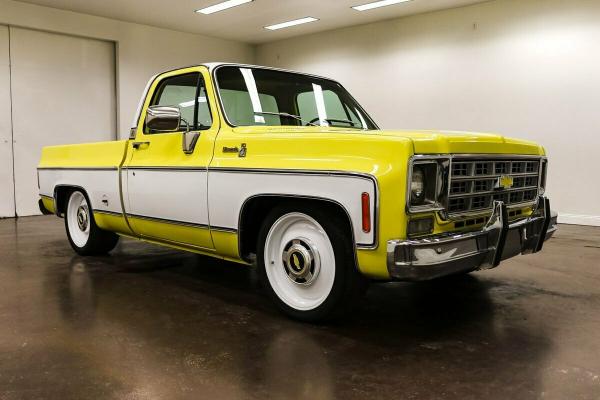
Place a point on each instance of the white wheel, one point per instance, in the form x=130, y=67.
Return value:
x=78, y=219
x=299, y=261
x=83, y=233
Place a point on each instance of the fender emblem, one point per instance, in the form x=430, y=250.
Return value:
x=240, y=152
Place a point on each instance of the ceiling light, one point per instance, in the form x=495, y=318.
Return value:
x=377, y=4
x=223, y=6
x=291, y=23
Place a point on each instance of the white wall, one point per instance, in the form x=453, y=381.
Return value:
x=7, y=194
x=60, y=84
x=142, y=51
x=523, y=68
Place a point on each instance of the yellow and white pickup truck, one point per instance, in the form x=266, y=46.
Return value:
x=287, y=171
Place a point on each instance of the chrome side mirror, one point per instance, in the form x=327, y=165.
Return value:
x=163, y=119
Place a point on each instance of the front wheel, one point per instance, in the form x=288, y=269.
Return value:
x=306, y=262
x=84, y=235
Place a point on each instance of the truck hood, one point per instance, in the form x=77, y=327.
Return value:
x=424, y=142
x=448, y=142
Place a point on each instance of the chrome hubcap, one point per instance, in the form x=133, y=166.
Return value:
x=82, y=217
x=299, y=261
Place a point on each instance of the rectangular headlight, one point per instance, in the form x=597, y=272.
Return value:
x=427, y=183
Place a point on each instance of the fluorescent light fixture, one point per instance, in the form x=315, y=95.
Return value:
x=291, y=23
x=377, y=4
x=223, y=6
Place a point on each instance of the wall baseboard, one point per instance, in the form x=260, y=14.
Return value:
x=576, y=219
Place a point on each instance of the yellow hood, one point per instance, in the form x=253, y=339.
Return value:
x=446, y=142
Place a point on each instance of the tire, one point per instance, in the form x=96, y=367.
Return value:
x=84, y=235
x=306, y=263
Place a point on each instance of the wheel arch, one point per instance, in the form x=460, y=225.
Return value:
x=61, y=197
x=255, y=208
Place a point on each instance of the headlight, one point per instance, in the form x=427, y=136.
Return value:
x=417, y=186
x=427, y=183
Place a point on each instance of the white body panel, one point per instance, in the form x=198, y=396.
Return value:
x=229, y=190
x=174, y=195
x=216, y=198
x=99, y=185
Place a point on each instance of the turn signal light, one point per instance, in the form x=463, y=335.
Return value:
x=366, y=212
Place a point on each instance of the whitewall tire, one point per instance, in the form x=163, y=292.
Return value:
x=306, y=262
x=84, y=235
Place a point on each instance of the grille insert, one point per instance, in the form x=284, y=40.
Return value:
x=476, y=183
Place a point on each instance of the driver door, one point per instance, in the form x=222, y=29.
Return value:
x=166, y=189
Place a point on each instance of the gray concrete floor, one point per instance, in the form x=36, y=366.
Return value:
x=152, y=323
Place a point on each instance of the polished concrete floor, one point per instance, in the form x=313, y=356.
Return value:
x=152, y=323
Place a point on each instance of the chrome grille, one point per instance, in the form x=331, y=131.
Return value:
x=475, y=183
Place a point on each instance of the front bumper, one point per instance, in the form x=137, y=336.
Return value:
x=434, y=257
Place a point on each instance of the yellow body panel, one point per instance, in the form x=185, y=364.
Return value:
x=184, y=236
x=382, y=154
x=101, y=154
x=48, y=203
x=110, y=222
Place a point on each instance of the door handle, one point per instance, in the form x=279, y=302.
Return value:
x=140, y=145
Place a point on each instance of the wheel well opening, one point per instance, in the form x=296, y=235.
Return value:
x=257, y=208
x=61, y=198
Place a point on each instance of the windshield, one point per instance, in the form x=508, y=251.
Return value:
x=255, y=96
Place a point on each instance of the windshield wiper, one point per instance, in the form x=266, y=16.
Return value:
x=352, y=124
x=284, y=114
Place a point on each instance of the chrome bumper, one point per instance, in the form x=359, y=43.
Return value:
x=434, y=257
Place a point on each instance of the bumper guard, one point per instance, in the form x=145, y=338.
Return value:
x=437, y=256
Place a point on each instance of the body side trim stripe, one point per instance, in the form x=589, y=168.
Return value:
x=168, y=221
x=107, y=212
x=224, y=170
x=78, y=168
x=292, y=172
x=165, y=168
x=180, y=245
x=223, y=229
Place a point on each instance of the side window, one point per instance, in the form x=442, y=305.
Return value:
x=188, y=92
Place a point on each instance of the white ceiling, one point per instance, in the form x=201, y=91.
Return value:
x=245, y=23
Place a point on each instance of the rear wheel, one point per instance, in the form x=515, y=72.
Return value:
x=306, y=262
x=84, y=235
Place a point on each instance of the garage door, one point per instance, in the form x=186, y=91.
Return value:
x=63, y=91
x=7, y=205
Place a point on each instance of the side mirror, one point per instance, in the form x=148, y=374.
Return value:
x=168, y=119
x=163, y=118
